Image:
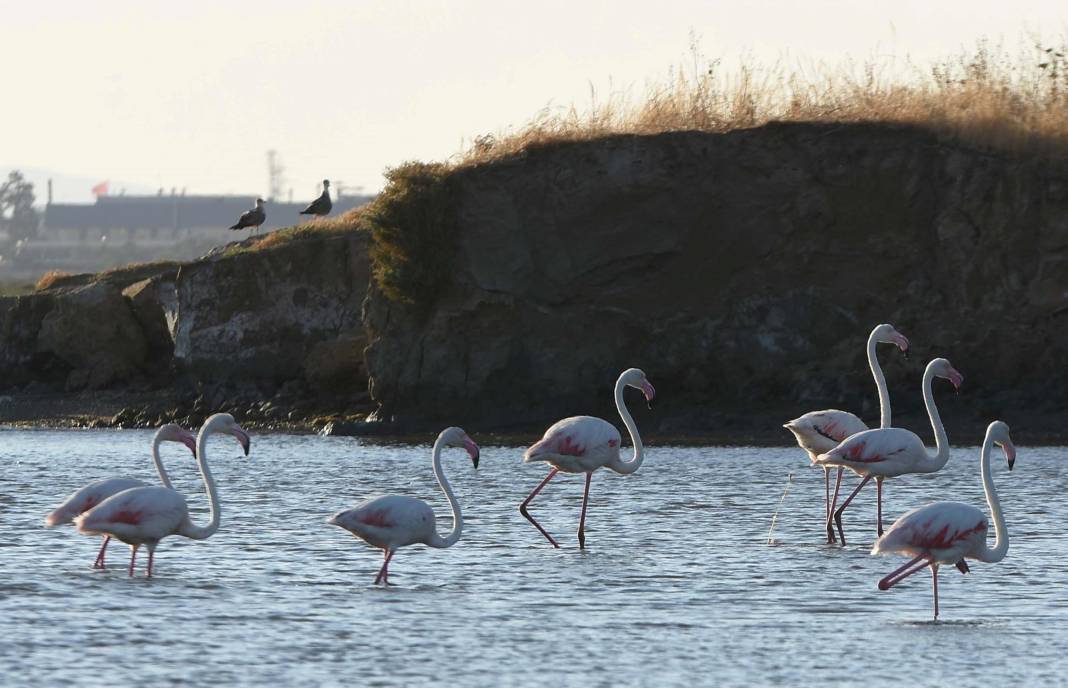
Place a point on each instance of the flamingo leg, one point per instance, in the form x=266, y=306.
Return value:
x=830, y=508
x=582, y=516
x=879, y=502
x=826, y=492
x=934, y=585
x=99, y=563
x=530, y=497
x=900, y=573
x=838, y=512
x=383, y=573
x=151, y=554
x=133, y=555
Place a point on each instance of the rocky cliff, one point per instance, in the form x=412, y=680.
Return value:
x=742, y=272
x=272, y=334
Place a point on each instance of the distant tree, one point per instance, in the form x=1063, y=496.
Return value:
x=18, y=219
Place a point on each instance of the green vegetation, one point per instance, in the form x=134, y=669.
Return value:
x=18, y=219
x=413, y=227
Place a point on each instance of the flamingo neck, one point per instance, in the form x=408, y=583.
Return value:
x=1001, y=546
x=158, y=462
x=203, y=532
x=627, y=467
x=941, y=441
x=457, y=518
x=880, y=382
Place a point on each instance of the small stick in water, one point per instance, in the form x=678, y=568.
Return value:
x=775, y=514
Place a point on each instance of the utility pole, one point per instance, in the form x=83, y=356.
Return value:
x=275, y=175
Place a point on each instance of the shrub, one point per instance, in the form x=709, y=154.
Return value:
x=413, y=224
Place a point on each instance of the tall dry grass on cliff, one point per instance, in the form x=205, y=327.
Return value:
x=1015, y=100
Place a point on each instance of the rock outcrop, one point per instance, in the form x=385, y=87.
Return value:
x=270, y=316
x=743, y=272
x=256, y=332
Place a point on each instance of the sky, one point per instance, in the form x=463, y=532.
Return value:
x=191, y=95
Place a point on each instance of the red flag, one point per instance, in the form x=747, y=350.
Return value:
x=101, y=189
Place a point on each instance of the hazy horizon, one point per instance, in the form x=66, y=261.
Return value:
x=152, y=95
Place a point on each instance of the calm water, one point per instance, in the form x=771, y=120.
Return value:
x=678, y=586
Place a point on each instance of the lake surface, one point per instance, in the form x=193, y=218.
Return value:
x=678, y=586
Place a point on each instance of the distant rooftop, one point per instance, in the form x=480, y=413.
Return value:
x=177, y=212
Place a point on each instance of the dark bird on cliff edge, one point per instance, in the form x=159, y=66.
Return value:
x=320, y=206
x=252, y=218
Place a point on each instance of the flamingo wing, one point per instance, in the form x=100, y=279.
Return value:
x=878, y=450
x=943, y=531
x=821, y=431
x=88, y=497
x=390, y=521
x=575, y=439
x=138, y=514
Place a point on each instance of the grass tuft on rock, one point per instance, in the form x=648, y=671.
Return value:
x=413, y=225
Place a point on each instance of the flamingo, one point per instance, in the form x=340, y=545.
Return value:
x=889, y=452
x=92, y=494
x=582, y=444
x=821, y=431
x=146, y=515
x=950, y=532
x=395, y=521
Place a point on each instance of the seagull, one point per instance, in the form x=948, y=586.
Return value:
x=252, y=218
x=320, y=206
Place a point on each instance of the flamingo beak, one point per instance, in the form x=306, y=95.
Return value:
x=649, y=392
x=1010, y=454
x=956, y=378
x=903, y=344
x=473, y=450
x=190, y=441
x=243, y=438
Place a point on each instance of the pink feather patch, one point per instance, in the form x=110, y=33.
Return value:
x=131, y=517
x=568, y=447
x=376, y=518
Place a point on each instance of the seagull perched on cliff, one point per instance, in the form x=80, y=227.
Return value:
x=251, y=218
x=320, y=206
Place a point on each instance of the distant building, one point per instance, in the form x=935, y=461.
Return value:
x=118, y=230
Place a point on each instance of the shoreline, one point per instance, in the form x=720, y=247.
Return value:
x=148, y=409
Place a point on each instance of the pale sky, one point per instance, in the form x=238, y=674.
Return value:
x=192, y=94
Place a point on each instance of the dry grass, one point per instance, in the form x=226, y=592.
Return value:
x=49, y=279
x=350, y=221
x=1015, y=100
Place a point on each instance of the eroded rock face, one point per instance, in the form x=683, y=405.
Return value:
x=741, y=271
x=259, y=316
x=20, y=360
x=93, y=330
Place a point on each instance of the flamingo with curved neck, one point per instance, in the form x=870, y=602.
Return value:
x=95, y=493
x=950, y=532
x=889, y=452
x=821, y=431
x=395, y=521
x=145, y=515
x=582, y=444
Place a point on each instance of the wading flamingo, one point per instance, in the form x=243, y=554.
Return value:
x=950, y=532
x=582, y=444
x=889, y=452
x=821, y=431
x=396, y=521
x=89, y=496
x=146, y=515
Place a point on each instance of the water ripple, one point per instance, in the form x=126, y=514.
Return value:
x=678, y=586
